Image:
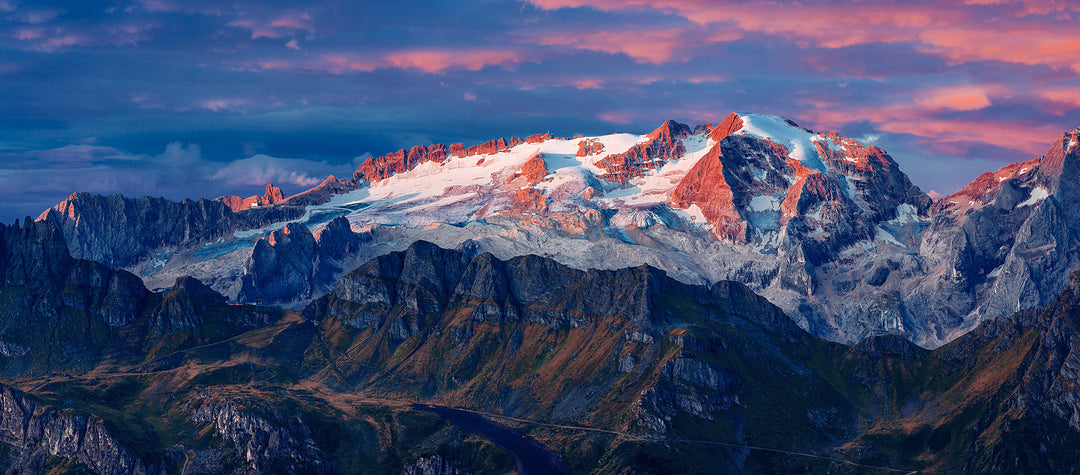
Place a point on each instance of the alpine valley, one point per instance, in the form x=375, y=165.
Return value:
x=746, y=297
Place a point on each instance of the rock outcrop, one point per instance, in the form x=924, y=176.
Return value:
x=1007, y=241
x=379, y=168
x=432, y=465
x=291, y=264
x=33, y=433
x=321, y=193
x=280, y=264
x=263, y=445
x=117, y=231
x=663, y=145
x=65, y=313
x=236, y=203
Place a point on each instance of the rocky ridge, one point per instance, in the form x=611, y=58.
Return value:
x=630, y=351
x=236, y=203
x=825, y=227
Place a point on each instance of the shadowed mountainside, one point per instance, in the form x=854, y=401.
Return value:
x=614, y=371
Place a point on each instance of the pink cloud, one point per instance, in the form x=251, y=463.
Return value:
x=616, y=117
x=331, y=63
x=340, y=63
x=943, y=134
x=1054, y=47
x=277, y=27
x=28, y=34
x=300, y=22
x=648, y=46
x=960, y=98
x=159, y=6
x=221, y=104
x=435, y=61
x=51, y=39
x=1017, y=32
x=63, y=41
x=588, y=83
x=706, y=79
x=1069, y=97
x=430, y=61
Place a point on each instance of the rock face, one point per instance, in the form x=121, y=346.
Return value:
x=60, y=312
x=118, y=231
x=115, y=230
x=31, y=252
x=774, y=204
x=429, y=279
x=32, y=433
x=663, y=145
x=264, y=446
x=380, y=168
x=1015, y=383
x=432, y=465
x=236, y=203
x=1008, y=240
x=660, y=354
x=291, y=264
x=321, y=193
x=281, y=264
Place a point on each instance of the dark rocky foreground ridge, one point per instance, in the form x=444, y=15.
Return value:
x=615, y=371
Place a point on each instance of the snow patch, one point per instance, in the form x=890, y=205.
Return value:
x=696, y=216
x=1037, y=195
x=696, y=143
x=906, y=214
x=850, y=188
x=764, y=203
x=763, y=212
x=799, y=142
x=885, y=236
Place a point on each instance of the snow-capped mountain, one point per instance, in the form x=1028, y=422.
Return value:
x=825, y=227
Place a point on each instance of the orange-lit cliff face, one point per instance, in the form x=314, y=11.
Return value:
x=726, y=192
x=236, y=203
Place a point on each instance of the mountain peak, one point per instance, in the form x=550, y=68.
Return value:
x=670, y=129
x=731, y=124
x=271, y=196
x=1062, y=156
x=661, y=146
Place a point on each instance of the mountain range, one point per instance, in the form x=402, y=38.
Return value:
x=746, y=297
x=830, y=230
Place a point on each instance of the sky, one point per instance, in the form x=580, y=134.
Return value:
x=203, y=98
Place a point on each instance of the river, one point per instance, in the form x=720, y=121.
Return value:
x=531, y=457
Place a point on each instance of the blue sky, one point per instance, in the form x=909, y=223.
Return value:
x=189, y=99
